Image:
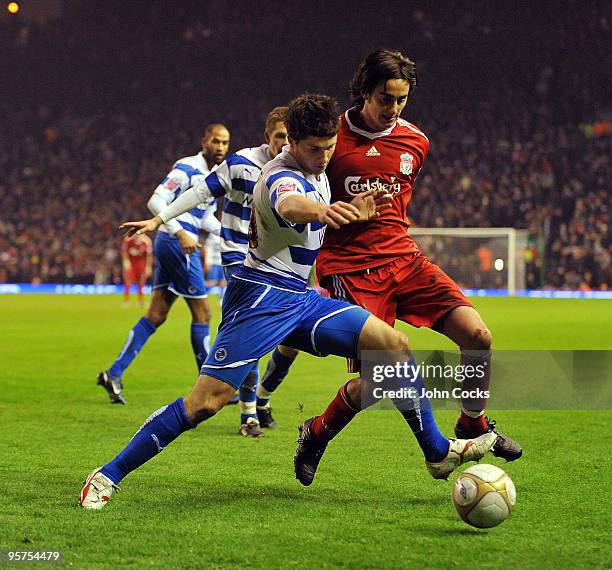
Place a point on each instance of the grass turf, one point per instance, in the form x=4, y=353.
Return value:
x=216, y=500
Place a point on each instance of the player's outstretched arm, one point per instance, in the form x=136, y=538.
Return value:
x=188, y=200
x=298, y=209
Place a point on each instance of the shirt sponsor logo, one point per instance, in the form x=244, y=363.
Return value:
x=406, y=163
x=172, y=184
x=354, y=185
x=286, y=187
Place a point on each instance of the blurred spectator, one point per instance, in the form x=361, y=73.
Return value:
x=103, y=99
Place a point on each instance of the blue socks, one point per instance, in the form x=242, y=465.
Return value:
x=276, y=370
x=248, y=397
x=138, y=336
x=419, y=416
x=136, y=339
x=200, y=342
x=160, y=429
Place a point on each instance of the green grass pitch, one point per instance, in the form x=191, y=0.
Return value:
x=216, y=500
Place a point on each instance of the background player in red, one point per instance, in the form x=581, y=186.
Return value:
x=137, y=258
x=378, y=265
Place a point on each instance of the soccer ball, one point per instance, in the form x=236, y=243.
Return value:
x=484, y=496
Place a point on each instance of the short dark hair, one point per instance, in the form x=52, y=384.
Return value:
x=208, y=131
x=276, y=115
x=381, y=65
x=312, y=115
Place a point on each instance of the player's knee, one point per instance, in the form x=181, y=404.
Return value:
x=481, y=339
x=287, y=351
x=353, y=389
x=398, y=343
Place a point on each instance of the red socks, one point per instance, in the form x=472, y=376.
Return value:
x=473, y=425
x=338, y=414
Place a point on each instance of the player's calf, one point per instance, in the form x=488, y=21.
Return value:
x=208, y=396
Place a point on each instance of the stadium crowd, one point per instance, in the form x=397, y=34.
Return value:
x=106, y=96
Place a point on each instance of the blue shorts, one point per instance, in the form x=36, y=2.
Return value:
x=215, y=273
x=257, y=318
x=174, y=270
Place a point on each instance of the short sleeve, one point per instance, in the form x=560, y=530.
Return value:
x=283, y=185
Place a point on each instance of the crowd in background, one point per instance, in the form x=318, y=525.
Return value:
x=102, y=100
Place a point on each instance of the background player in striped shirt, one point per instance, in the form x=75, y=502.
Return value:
x=268, y=301
x=178, y=266
x=234, y=181
x=137, y=263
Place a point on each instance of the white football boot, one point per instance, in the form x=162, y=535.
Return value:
x=97, y=491
x=460, y=451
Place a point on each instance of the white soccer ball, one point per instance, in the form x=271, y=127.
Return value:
x=484, y=496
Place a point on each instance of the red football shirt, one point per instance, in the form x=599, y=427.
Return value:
x=137, y=248
x=362, y=160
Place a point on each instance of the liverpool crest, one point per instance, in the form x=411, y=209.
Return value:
x=406, y=163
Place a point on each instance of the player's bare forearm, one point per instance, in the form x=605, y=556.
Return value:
x=141, y=226
x=300, y=210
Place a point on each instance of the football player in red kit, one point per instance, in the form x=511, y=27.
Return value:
x=137, y=258
x=378, y=265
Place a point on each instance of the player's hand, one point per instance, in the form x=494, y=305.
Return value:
x=339, y=214
x=187, y=243
x=383, y=200
x=142, y=226
x=369, y=204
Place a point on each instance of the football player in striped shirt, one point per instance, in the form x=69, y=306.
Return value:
x=268, y=301
x=234, y=180
x=178, y=265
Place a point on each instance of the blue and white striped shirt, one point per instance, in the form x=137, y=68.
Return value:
x=185, y=173
x=284, y=251
x=235, y=179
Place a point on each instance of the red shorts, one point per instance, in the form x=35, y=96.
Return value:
x=137, y=274
x=411, y=289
